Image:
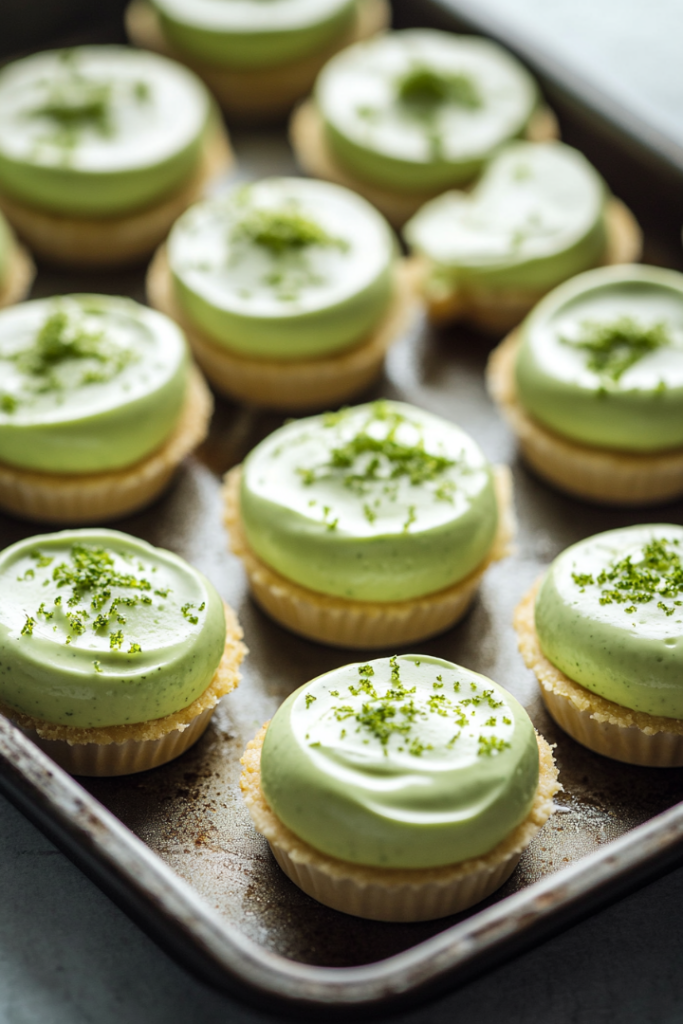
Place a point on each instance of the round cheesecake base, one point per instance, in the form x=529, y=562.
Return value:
x=294, y=385
x=340, y=622
x=127, y=749
x=263, y=94
x=391, y=894
x=106, y=242
x=599, y=724
x=307, y=136
x=87, y=499
x=601, y=475
x=496, y=312
x=20, y=274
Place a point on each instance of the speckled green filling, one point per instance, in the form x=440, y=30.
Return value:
x=406, y=762
x=380, y=502
x=609, y=614
x=284, y=269
x=98, y=628
x=601, y=359
x=422, y=111
x=88, y=383
x=534, y=219
x=99, y=131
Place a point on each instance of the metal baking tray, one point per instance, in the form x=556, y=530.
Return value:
x=175, y=848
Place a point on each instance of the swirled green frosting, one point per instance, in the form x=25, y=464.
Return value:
x=99, y=131
x=534, y=219
x=378, y=502
x=601, y=359
x=284, y=269
x=253, y=34
x=406, y=762
x=88, y=383
x=98, y=628
x=422, y=110
x=609, y=614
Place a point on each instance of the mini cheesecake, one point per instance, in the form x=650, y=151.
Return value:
x=539, y=215
x=99, y=404
x=290, y=291
x=114, y=652
x=404, y=789
x=402, y=118
x=603, y=631
x=369, y=525
x=592, y=384
x=101, y=148
x=258, y=60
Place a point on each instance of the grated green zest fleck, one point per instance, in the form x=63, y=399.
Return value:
x=395, y=713
x=63, y=340
x=370, y=459
x=613, y=348
x=657, y=574
x=283, y=231
x=488, y=745
x=422, y=87
x=115, y=640
x=76, y=104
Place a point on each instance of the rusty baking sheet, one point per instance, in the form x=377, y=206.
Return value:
x=175, y=846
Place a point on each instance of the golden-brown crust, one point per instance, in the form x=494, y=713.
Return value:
x=307, y=136
x=264, y=94
x=78, y=499
x=498, y=311
x=114, y=241
x=20, y=274
x=225, y=679
x=601, y=475
x=270, y=826
x=543, y=126
x=289, y=385
x=356, y=624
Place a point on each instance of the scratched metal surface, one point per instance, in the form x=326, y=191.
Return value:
x=190, y=812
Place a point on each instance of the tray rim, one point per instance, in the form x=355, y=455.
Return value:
x=183, y=924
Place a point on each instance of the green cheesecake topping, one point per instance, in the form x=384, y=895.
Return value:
x=252, y=34
x=534, y=219
x=284, y=268
x=609, y=614
x=422, y=110
x=98, y=628
x=89, y=383
x=405, y=762
x=601, y=359
x=378, y=502
x=98, y=131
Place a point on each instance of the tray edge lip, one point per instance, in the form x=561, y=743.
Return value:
x=288, y=983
